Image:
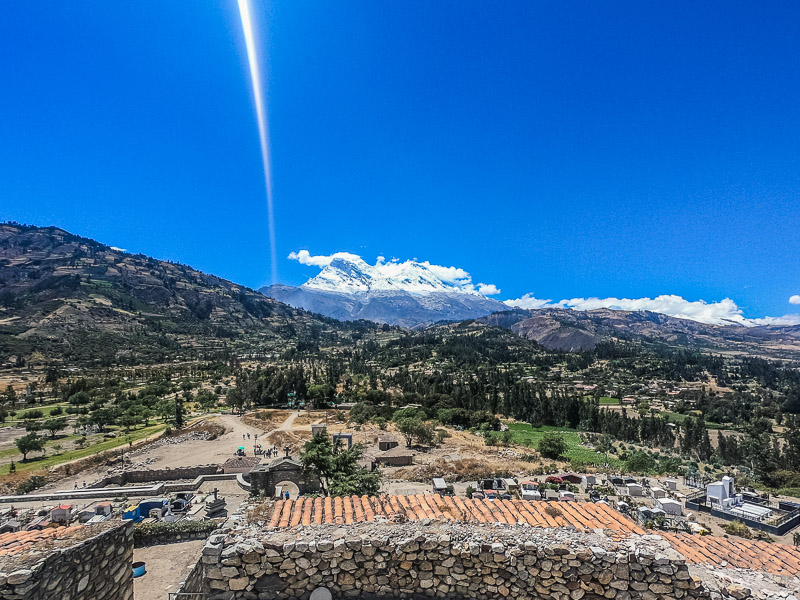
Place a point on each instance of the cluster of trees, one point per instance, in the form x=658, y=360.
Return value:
x=337, y=469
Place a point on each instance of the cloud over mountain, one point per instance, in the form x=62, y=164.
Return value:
x=723, y=312
x=410, y=275
x=348, y=273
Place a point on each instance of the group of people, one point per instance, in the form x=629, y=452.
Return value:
x=269, y=452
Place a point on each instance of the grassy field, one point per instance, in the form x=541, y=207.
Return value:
x=608, y=400
x=46, y=410
x=36, y=461
x=526, y=435
x=679, y=418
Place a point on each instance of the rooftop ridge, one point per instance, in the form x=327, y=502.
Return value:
x=583, y=516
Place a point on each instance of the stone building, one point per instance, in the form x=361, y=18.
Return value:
x=283, y=473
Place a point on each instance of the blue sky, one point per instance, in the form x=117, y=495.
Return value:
x=565, y=150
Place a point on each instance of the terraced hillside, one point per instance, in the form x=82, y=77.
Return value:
x=64, y=297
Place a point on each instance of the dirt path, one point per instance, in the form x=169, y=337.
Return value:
x=167, y=565
x=287, y=424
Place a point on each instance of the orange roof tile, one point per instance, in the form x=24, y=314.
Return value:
x=18, y=541
x=737, y=552
x=584, y=516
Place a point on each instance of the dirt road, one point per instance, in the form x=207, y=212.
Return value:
x=287, y=424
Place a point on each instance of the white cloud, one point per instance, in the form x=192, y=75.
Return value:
x=304, y=257
x=528, y=301
x=488, y=289
x=413, y=275
x=778, y=321
x=448, y=274
x=794, y=299
x=723, y=312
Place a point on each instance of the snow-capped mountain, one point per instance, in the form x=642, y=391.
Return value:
x=407, y=293
x=356, y=276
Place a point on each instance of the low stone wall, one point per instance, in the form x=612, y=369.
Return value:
x=150, y=475
x=193, y=584
x=92, y=568
x=448, y=560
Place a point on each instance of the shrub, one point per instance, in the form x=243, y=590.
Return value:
x=552, y=445
x=147, y=533
x=553, y=511
x=739, y=528
x=32, y=483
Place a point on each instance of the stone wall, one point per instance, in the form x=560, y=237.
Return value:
x=92, y=568
x=149, y=475
x=193, y=584
x=448, y=560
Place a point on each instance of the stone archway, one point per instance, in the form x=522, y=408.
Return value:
x=287, y=486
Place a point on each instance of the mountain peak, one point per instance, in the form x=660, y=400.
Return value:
x=348, y=275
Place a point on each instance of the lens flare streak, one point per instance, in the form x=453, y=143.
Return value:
x=263, y=129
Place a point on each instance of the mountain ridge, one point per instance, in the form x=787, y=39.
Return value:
x=63, y=295
x=576, y=330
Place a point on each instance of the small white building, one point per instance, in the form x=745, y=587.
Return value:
x=566, y=496
x=61, y=514
x=658, y=492
x=672, y=485
x=588, y=480
x=670, y=506
x=719, y=491
x=530, y=490
x=634, y=489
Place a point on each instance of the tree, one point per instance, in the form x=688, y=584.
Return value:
x=145, y=415
x=104, y=417
x=128, y=420
x=179, y=413
x=54, y=425
x=165, y=409
x=29, y=443
x=235, y=398
x=206, y=398
x=337, y=468
x=552, y=445
x=11, y=395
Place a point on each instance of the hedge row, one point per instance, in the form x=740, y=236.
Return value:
x=145, y=534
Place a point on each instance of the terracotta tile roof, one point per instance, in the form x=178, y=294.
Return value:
x=584, y=516
x=19, y=541
x=737, y=552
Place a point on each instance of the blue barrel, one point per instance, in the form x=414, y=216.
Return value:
x=138, y=569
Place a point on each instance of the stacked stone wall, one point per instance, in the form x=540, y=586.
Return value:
x=149, y=475
x=452, y=561
x=98, y=567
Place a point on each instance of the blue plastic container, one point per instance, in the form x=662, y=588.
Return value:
x=138, y=569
